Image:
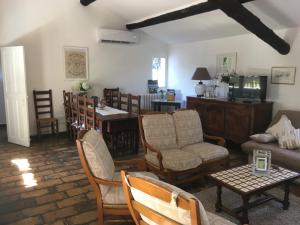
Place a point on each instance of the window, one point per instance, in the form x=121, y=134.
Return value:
x=159, y=71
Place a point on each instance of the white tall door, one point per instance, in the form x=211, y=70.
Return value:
x=15, y=94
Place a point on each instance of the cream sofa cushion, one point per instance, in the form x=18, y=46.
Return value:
x=188, y=127
x=180, y=215
x=175, y=159
x=290, y=140
x=282, y=127
x=115, y=195
x=263, y=138
x=159, y=131
x=98, y=157
x=207, y=151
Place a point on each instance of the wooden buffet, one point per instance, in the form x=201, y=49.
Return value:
x=234, y=121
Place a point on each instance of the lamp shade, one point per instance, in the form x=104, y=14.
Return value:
x=201, y=73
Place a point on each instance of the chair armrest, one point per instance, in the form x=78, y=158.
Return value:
x=107, y=182
x=139, y=164
x=159, y=155
x=219, y=140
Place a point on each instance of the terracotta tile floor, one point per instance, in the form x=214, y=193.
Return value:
x=45, y=184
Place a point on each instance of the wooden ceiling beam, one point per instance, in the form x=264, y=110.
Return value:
x=202, y=7
x=235, y=10
x=86, y=2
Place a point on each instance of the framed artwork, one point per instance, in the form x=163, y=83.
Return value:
x=261, y=162
x=226, y=63
x=76, y=63
x=283, y=75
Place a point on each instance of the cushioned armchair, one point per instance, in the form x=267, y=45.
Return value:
x=156, y=202
x=175, y=146
x=103, y=176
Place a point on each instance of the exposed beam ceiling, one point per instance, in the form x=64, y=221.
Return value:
x=202, y=7
x=235, y=10
x=86, y=2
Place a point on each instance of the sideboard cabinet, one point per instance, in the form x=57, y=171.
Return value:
x=234, y=121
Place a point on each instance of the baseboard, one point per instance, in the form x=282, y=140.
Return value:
x=35, y=137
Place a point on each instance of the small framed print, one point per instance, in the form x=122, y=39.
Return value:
x=283, y=75
x=261, y=162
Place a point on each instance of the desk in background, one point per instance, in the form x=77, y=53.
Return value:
x=157, y=103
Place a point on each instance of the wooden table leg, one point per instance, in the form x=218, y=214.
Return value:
x=244, y=219
x=286, y=202
x=219, y=199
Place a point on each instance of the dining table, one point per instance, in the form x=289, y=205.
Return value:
x=120, y=130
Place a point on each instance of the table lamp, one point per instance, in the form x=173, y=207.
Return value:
x=200, y=74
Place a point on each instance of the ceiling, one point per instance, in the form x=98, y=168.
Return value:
x=276, y=14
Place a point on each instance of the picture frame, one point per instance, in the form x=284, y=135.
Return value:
x=76, y=63
x=283, y=75
x=226, y=63
x=261, y=162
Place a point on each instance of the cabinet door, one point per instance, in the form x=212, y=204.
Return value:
x=238, y=120
x=213, y=121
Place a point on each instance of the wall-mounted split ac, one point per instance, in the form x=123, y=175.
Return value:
x=117, y=36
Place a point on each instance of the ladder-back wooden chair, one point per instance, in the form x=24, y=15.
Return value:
x=124, y=101
x=81, y=112
x=44, y=111
x=74, y=114
x=104, y=177
x=153, y=201
x=111, y=96
x=90, y=113
x=135, y=104
x=67, y=110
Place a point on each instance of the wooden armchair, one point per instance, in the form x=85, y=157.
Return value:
x=155, y=202
x=101, y=172
x=175, y=148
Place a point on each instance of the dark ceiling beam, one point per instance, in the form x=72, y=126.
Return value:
x=178, y=14
x=235, y=10
x=86, y=2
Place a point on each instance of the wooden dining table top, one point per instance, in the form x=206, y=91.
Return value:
x=116, y=117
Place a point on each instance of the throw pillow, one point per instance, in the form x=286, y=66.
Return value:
x=282, y=127
x=290, y=140
x=263, y=138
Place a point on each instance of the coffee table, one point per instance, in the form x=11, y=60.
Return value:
x=243, y=182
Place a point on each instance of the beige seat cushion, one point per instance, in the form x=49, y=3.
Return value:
x=159, y=131
x=115, y=195
x=180, y=215
x=98, y=157
x=188, y=127
x=207, y=151
x=175, y=159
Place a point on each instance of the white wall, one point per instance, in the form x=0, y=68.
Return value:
x=45, y=26
x=253, y=57
x=2, y=104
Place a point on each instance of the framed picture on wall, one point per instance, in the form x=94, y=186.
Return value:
x=283, y=75
x=226, y=63
x=76, y=63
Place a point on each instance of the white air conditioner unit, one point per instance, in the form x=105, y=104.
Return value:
x=117, y=36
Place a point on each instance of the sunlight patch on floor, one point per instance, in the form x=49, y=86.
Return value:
x=24, y=166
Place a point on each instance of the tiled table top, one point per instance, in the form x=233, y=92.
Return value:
x=242, y=178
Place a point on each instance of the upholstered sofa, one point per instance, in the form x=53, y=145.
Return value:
x=175, y=145
x=283, y=157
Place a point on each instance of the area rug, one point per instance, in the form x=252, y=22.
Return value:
x=270, y=213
